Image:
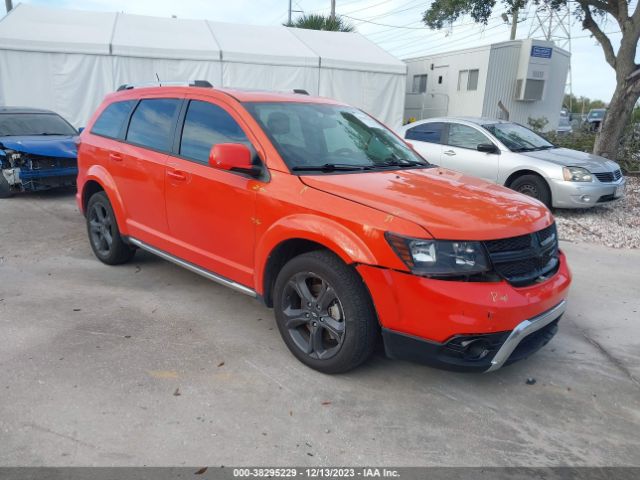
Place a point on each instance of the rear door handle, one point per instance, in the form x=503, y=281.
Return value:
x=450, y=153
x=177, y=175
x=116, y=157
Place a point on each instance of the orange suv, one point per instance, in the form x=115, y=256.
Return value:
x=327, y=216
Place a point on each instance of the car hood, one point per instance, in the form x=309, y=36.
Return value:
x=448, y=204
x=574, y=158
x=50, y=146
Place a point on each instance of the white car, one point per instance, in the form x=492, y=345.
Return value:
x=509, y=154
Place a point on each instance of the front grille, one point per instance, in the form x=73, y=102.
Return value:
x=608, y=177
x=526, y=259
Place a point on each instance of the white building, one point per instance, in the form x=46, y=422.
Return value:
x=516, y=79
x=67, y=60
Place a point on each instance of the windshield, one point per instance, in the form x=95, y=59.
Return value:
x=19, y=124
x=596, y=114
x=318, y=137
x=518, y=138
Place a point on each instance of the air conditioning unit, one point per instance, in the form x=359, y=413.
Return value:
x=529, y=89
x=533, y=70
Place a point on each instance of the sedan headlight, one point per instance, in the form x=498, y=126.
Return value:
x=439, y=257
x=576, y=174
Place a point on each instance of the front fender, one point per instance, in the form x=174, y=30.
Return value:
x=324, y=231
x=99, y=174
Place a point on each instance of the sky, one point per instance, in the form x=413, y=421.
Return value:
x=393, y=24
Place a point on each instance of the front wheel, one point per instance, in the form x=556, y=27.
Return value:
x=324, y=312
x=533, y=186
x=5, y=188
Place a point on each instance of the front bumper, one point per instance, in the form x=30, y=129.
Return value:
x=421, y=316
x=477, y=353
x=585, y=194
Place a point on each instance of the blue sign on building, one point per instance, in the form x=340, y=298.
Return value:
x=541, y=52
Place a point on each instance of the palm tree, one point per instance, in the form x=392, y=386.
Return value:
x=315, y=21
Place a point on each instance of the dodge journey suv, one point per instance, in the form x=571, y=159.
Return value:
x=327, y=216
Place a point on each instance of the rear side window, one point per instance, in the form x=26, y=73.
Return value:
x=206, y=125
x=110, y=123
x=152, y=123
x=426, y=132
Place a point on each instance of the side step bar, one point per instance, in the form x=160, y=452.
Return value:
x=195, y=269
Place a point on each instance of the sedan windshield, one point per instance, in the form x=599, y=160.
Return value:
x=19, y=124
x=518, y=138
x=330, y=138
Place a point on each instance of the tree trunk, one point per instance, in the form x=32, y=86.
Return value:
x=618, y=116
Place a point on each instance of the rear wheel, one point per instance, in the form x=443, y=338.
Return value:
x=104, y=235
x=324, y=312
x=533, y=186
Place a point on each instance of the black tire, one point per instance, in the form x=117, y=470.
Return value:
x=5, y=188
x=336, y=329
x=104, y=235
x=533, y=186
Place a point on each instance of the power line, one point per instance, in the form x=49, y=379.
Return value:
x=413, y=52
x=368, y=7
x=400, y=9
x=430, y=34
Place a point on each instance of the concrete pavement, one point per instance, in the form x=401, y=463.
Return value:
x=149, y=364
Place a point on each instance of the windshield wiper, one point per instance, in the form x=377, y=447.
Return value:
x=546, y=147
x=394, y=161
x=330, y=167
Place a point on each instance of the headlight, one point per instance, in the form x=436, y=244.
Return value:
x=439, y=257
x=576, y=174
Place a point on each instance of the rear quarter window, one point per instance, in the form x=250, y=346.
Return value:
x=111, y=121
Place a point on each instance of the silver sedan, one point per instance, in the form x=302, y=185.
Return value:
x=512, y=155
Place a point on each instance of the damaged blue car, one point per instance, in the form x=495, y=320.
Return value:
x=37, y=151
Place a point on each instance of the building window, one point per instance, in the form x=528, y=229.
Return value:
x=468, y=80
x=419, y=84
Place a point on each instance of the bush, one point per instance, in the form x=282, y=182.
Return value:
x=628, y=156
x=582, y=140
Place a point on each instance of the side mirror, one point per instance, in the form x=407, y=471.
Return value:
x=81, y=129
x=487, y=148
x=234, y=157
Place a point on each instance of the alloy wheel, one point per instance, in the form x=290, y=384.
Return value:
x=314, y=317
x=101, y=228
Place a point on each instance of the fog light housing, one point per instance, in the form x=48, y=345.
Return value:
x=585, y=198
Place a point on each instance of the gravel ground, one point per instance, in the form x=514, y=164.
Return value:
x=616, y=224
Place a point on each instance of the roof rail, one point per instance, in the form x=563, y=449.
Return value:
x=300, y=91
x=192, y=83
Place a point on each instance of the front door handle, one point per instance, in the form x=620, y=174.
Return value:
x=451, y=153
x=116, y=157
x=177, y=175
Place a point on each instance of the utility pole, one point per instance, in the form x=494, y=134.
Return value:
x=333, y=9
x=9, y=5
x=288, y=22
x=514, y=23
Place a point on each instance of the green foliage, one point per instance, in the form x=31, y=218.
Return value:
x=581, y=104
x=583, y=140
x=537, y=124
x=314, y=21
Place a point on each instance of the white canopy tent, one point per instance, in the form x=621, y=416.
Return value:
x=67, y=60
